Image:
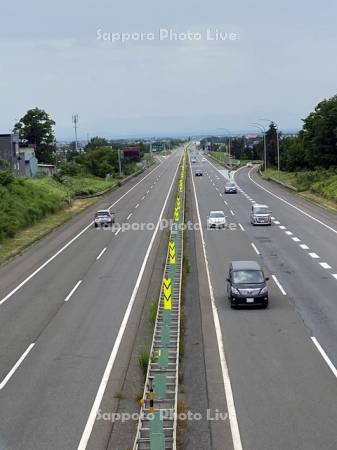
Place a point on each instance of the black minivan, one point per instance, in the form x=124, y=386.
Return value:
x=246, y=284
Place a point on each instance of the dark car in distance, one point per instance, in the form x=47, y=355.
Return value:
x=230, y=188
x=246, y=284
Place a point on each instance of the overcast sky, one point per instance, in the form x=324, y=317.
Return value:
x=277, y=61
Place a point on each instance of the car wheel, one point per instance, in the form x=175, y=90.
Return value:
x=96, y=225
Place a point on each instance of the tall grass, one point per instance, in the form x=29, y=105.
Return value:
x=321, y=182
x=25, y=201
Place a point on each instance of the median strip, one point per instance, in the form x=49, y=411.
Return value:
x=157, y=425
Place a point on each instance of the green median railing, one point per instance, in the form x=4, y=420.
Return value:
x=157, y=425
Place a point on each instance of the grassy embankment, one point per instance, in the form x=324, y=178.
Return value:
x=319, y=186
x=30, y=208
x=223, y=157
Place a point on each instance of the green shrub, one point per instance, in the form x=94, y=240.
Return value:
x=6, y=178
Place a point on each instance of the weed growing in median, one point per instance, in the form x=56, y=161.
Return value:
x=153, y=311
x=143, y=361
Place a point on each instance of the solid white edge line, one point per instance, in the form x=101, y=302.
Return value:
x=15, y=367
x=49, y=260
x=290, y=204
x=224, y=367
x=242, y=229
x=100, y=393
x=324, y=356
x=278, y=284
x=73, y=290
x=100, y=255
x=255, y=248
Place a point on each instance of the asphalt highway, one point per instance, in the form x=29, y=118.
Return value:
x=281, y=360
x=64, y=305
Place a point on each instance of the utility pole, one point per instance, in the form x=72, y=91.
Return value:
x=120, y=163
x=75, y=122
x=278, y=152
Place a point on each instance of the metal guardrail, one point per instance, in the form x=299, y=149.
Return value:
x=157, y=423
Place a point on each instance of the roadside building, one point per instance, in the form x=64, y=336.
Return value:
x=28, y=164
x=9, y=152
x=47, y=169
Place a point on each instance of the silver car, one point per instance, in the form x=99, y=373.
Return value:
x=104, y=217
x=260, y=215
x=216, y=219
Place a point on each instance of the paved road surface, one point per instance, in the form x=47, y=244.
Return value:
x=284, y=392
x=46, y=402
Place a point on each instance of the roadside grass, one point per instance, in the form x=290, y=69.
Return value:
x=220, y=156
x=223, y=157
x=73, y=186
x=285, y=177
x=319, y=186
x=10, y=247
x=32, y=207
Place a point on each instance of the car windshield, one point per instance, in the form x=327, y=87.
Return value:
x=217, y=214
x=102, y=213
x=230, y=184
x=248, y=276
x=261, y=211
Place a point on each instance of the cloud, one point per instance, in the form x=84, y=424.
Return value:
x=280, y=66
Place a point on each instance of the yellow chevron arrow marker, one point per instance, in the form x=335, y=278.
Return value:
x=172, y=252
x=167, y=289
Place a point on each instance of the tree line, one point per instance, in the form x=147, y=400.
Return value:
x=313, y=148
x=99, y=157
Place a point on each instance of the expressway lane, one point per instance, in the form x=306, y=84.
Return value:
x=300, y=249
x=30, y=309
x=50, y=396
x=284, y=392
